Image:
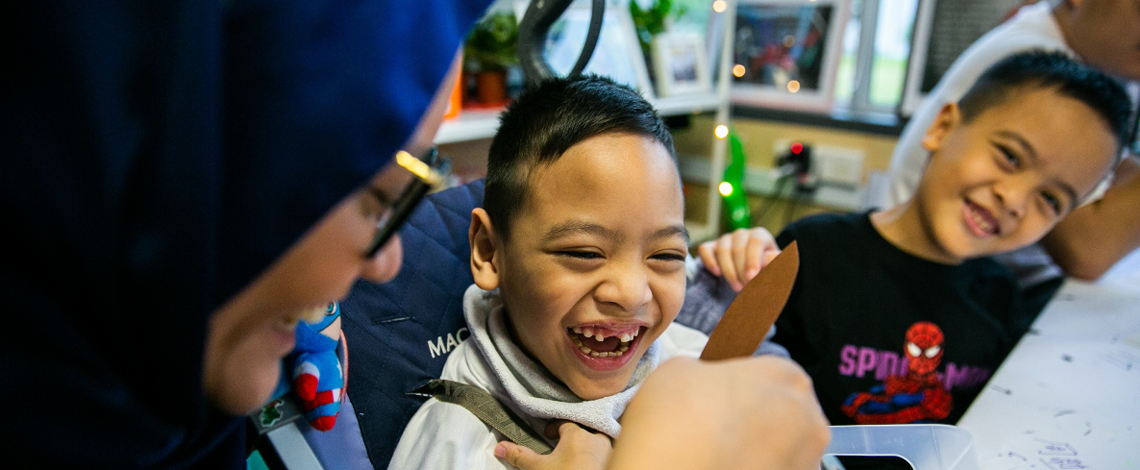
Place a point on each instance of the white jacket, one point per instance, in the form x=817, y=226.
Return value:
x=447, y=436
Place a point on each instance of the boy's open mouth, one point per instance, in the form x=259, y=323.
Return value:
x=604, y=348
x=980, y=221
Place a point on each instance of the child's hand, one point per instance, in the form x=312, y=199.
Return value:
x=577, y=448
x=739, y=255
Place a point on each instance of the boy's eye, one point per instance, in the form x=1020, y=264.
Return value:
x=1052, y=201
x=579, y=254
x=1009, y=156
x=376, y=204
x=669, y=257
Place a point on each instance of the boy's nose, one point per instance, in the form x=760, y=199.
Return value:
x=1012, y=199
x=627, y=288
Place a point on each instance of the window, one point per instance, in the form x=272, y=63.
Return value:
x=876, y=44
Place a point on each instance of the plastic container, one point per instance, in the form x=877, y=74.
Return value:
x=923, y=446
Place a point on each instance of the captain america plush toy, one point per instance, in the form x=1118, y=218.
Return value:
x=318, y=379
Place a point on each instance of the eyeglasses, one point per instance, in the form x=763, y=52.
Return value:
x=427, y=173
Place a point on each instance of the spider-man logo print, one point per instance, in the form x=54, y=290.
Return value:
x=916, y=397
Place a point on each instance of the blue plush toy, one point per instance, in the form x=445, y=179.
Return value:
x=317, y=376
x=313, y=370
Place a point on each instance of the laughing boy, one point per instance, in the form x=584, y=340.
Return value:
x=578, y=257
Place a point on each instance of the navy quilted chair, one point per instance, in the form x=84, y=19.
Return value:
x=399, y=333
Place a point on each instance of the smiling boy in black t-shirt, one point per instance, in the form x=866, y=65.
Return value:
x=898, y=315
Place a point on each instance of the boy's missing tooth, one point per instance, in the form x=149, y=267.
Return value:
x=578, y=258
x=900, y=316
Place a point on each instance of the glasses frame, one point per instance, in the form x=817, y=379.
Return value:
x=427, y=172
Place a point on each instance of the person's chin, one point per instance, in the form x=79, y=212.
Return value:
x=964, y=245
x=255, y=369
x=247, y=386
x=960, y=251
x=954, y=241
x=593, y=389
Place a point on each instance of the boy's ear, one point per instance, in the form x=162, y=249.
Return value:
x=948, y=118
x=485, y=252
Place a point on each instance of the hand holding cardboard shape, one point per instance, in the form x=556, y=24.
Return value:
x=755, y=309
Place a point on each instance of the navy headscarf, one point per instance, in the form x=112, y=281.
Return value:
x=155, y=157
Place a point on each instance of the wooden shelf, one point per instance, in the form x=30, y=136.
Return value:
x=469, y=125
x=686, y=104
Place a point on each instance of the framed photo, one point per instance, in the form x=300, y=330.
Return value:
x=788, y=51
x=618, y=53
x=714, y=38
x=679, y=64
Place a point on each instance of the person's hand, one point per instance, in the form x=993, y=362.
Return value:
x=758, y=413
x=577, y=448
x=739, y=255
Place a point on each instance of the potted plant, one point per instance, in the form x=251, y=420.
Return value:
x=492, y=48
x=649, y=21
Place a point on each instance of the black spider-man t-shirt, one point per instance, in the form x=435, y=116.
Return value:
x=856, y=299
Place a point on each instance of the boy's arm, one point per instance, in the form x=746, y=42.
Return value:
x=1093, y=238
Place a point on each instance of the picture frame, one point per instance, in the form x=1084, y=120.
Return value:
x=680, y=64
x=790, y=51
x=617, y=55
x=714, y=38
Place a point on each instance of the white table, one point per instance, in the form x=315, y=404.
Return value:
x=1068, y=396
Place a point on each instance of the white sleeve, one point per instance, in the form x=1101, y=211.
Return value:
x=446, y=436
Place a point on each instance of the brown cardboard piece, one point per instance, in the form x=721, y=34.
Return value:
x=750, y=316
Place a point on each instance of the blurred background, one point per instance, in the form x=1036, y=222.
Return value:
x=780, y=108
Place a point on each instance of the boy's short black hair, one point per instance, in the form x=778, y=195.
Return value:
x=1041, y=69
x=547, y=120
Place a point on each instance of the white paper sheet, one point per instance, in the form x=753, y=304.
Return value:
x=1068, y=397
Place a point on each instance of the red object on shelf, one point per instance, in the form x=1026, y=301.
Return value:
x=491, y=87
x=455, y=102
x=474, y=105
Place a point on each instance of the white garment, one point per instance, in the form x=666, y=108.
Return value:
x=1032, y=28
x=447, y=436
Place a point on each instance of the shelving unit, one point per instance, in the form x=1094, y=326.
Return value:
x=469, y=125
x=711, y=227
x=482, y=124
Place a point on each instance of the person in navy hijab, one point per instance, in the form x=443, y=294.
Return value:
x=166, y=180
x=157, y=158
